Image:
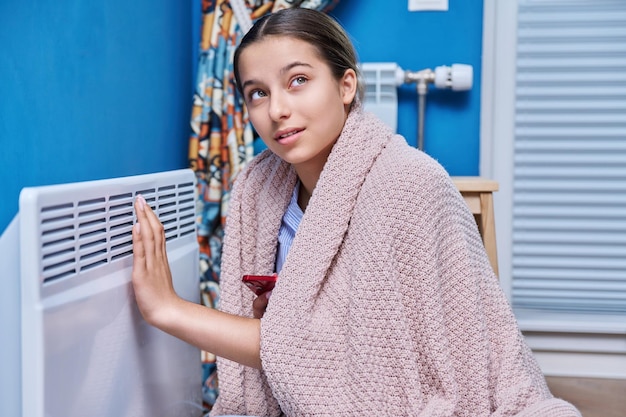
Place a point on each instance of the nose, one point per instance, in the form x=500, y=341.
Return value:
x=279, y=107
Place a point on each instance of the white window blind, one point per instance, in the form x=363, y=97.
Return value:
x=569, y=181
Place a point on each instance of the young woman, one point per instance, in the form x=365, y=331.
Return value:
x=386, y=303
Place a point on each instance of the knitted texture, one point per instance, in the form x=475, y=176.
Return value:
x=386, y=304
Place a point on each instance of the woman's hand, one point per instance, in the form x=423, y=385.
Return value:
x=151, y=277
x=232, y=337
x=260, y=304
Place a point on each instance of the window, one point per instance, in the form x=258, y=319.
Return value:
x=553, y=134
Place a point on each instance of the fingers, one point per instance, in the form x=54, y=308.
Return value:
x=150, y=234
x=156, y=227
x=259, y=305
x=151, y=276
x=139, y=252
x=140, y=239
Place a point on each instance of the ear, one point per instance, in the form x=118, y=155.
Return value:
x=348, y=86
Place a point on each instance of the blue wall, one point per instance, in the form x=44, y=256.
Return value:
x=91, y=90
x=418, y=40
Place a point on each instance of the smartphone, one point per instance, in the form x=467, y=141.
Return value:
x=260, y=284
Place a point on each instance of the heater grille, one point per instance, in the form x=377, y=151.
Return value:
x=80, y=235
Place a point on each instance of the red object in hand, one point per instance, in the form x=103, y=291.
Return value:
x=260, y=284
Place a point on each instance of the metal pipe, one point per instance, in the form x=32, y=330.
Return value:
x=422, y=78
x=422, y=89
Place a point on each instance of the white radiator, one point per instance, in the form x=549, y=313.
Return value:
x=85, y=349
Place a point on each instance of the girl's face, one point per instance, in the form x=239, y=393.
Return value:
x=295, y=103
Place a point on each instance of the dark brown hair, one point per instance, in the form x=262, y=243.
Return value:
x=311, y=26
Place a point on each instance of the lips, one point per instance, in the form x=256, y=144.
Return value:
x=287, y=133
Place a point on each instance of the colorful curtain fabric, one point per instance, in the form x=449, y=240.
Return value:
x=221, y=141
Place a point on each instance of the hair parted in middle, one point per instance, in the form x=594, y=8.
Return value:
x=317, y=29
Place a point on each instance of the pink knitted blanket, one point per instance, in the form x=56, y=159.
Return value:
x=386, y=304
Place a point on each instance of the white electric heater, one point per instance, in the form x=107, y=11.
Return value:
x=85, y=350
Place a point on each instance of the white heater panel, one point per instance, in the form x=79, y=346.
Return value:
x=86, y=350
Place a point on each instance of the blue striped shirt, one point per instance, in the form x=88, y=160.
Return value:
x=288, y=228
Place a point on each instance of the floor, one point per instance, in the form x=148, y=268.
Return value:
x=593, y=397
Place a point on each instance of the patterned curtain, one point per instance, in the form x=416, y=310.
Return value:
x=221, y=141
